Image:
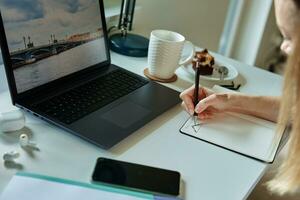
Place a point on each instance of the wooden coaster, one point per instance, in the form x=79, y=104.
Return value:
x=170, y=80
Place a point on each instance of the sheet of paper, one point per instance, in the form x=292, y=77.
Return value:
x=244, y=134
x=33, y=188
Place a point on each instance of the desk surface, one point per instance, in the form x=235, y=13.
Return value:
x=208, y=172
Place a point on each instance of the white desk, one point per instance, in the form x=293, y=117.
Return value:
x=208, y=172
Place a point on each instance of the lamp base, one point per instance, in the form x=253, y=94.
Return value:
x=129, y=45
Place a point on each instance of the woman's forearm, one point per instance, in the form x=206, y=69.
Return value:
x=265, y=107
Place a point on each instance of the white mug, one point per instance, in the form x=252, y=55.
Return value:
x=165, y=51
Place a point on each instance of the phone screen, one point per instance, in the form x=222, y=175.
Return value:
x=137, y=176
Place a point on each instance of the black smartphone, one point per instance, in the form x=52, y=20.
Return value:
x=138, y=177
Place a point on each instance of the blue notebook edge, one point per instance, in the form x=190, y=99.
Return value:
x=143, y=195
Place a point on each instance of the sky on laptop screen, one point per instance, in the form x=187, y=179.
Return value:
x=49, y=39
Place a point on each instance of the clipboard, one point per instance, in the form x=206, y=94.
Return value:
x=243, y=134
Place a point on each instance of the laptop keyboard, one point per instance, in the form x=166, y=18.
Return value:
x=85, y=99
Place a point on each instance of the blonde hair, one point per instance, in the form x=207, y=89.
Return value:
x=287, y=179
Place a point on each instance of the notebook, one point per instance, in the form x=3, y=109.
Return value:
x=36, y=187
x=243, y=134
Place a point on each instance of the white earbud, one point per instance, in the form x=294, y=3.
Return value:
x=10, y=156
x=12, y=121
x=25, y=142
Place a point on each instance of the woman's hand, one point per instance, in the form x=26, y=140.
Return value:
x=210, y=103
x=265, y=107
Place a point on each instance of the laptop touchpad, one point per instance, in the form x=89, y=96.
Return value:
x=125, y=114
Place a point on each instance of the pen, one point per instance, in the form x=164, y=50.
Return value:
x=196, y=91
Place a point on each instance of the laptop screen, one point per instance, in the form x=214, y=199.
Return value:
x=49, y=39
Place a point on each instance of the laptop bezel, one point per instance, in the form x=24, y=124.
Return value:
x=43, y=89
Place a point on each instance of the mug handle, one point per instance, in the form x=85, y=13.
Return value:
x=190, y=57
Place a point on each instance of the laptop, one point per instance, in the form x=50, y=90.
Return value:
x=58, y=67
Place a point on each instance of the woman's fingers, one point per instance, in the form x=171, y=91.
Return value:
x=202, y=93
x=187, y=98
x=205, y=103
x=205, y=116
x=188, y=104
x=183, y=105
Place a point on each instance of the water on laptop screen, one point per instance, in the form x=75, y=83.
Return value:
x=49, y=39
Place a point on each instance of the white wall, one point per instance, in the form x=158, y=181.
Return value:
x=251, y=30
x=271, y=38
x=200, y=21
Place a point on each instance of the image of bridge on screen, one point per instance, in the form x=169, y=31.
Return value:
x=31, y=53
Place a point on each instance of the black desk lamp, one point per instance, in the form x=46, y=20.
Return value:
x=126, y=43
